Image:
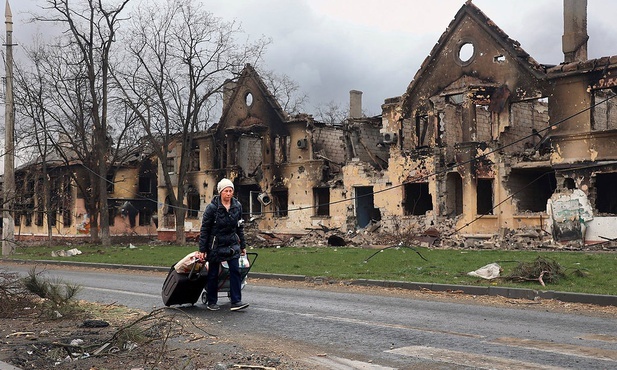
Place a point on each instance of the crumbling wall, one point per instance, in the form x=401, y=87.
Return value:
x=329, y=143
x=604, y=110
x=529, y=121
x=367, y=143
x=249, y=154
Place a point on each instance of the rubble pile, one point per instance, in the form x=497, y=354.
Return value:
x=442, y=235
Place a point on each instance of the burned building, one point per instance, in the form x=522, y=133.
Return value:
x=490, y=140
x=287, y=170
x=484, y=140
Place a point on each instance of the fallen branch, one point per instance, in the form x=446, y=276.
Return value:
x=238, y=366
x=395, y=246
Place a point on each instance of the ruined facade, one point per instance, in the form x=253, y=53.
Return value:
x=483, y=141
x=131, y=200
x=492, y=140
x=287, y=170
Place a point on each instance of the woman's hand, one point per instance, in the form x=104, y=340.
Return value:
x=201, y=256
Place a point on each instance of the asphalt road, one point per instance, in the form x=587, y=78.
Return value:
x=370, y=331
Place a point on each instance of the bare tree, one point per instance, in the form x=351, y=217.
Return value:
x=31, y=93
x=331, y=113
x=179, y=57
x=286, y=91
x=88, y=45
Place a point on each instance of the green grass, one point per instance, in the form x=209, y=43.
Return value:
x=585, y=272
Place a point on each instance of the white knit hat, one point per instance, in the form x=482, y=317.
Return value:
x=225, y=183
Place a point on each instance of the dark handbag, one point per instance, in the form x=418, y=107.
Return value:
x=225, y=252
x=222, y=253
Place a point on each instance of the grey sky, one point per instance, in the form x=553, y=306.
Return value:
x=332, y=46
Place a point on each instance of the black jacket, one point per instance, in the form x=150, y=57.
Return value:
x=225, y=225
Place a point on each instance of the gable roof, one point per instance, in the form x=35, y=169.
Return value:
x=250, y=74
x=470, y=12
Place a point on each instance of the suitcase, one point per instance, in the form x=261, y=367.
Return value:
x=183, y=288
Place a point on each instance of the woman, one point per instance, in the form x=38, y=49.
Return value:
x=221, y=238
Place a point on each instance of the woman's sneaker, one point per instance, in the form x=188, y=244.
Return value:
x=213, y=306
x=238, y=306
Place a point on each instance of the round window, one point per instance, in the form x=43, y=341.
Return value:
x=466, y=52
x=248, y=99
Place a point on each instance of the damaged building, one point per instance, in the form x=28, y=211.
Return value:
x=287, y=170
x=484, y=143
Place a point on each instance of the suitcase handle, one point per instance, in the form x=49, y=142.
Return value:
x=193, y=272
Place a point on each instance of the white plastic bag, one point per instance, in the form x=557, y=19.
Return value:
x=490, y=271
x=244, y=261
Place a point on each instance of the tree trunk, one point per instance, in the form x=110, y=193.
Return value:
x=180, y=232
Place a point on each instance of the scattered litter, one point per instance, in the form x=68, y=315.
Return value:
x=21, y=334
x=63, y=253
x=490, y=271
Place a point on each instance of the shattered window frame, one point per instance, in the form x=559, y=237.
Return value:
x=280, y=202
x=422, y=130
x=603, y=103
x=145, y=217
x=424, y=199
x=110, y=182
x=194, y=164
x=193, y=202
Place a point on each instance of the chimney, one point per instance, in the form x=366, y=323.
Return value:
x=574, y=40
x=355, y=104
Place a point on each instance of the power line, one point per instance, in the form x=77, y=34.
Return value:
x=403, y=183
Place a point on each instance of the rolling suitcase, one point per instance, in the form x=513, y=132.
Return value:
x=182, y=288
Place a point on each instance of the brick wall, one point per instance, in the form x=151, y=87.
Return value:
x=525, y=116
x=605, y=112
x=330, y=142
x=249, y=154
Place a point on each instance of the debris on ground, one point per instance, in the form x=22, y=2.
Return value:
x=490, y=271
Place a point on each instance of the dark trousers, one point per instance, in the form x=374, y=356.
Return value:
x=235, y=282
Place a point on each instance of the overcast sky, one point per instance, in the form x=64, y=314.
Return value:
x=332, y=46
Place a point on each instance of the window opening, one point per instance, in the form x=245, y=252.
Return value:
x=194, y=159
x=604, y=112
x=454, y=194
x=255, y=206
x=606, y=193
x=193, y=202
x=321, y=198
x=145, y=185
x=417, y=199
x=484, y=200
x=466, y=52
x=421, y=130
x=110, y=182
x=145, y=217
x=280, y=200
x=248, y=99
x=170, y=165
x=532, y=188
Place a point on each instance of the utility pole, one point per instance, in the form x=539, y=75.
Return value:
x=8, y=187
